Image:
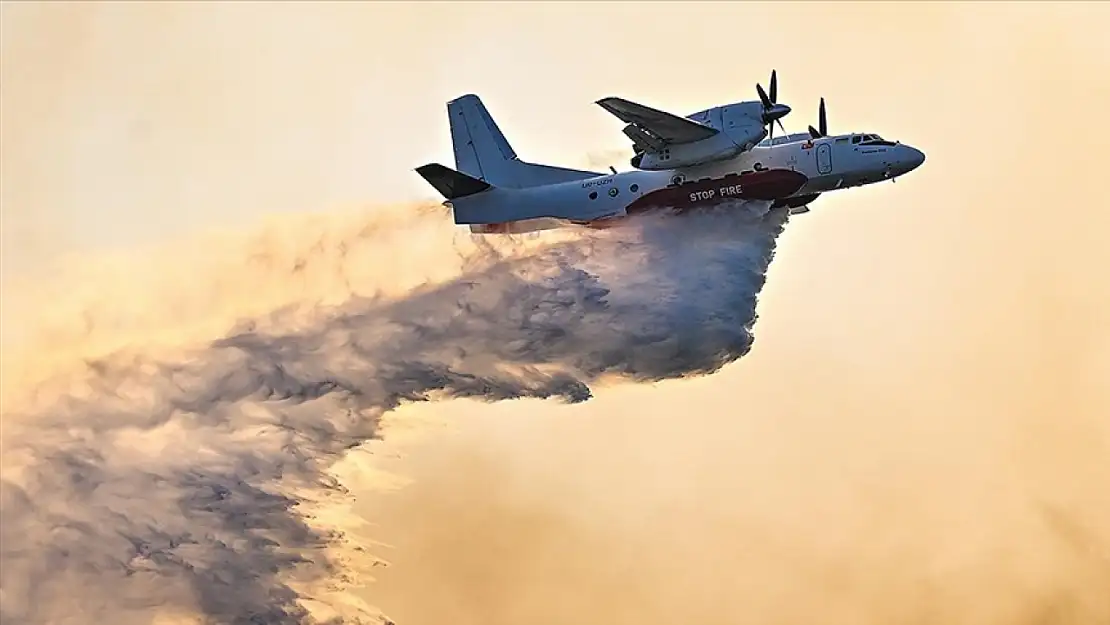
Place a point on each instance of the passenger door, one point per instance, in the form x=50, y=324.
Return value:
x=824, y=158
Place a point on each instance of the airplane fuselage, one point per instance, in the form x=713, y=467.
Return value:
x=790, y=171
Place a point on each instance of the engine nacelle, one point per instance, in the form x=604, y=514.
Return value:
x=714, y=148
x=642, y=138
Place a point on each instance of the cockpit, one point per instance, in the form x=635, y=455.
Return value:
x=869, y=139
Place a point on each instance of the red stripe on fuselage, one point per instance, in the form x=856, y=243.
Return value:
x=769, y=184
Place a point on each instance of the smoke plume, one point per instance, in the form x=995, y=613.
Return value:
x=176, y=476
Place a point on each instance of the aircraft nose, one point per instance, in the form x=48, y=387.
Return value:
x=914, y=157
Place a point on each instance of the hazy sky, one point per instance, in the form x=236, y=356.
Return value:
x=127, y=121
x=945, y=336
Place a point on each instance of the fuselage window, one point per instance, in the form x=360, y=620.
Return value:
x=613, y=192
x=677, y=179
x=634, y=188
x=593, y=195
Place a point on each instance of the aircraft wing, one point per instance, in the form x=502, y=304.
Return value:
x=667, y=128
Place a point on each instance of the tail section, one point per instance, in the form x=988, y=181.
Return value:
x=451, y=184
x=487, y=190
x=478, y=141
x=489, y=209
x=481, y=151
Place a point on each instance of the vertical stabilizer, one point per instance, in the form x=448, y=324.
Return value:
x=483, y=152
x=477, y=140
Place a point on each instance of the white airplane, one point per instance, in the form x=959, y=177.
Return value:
x=715, y=156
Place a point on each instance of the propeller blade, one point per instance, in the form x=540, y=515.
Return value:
x=783, y=128
x=774, y=97
x=822, y=123
x=822, y=129
x=763, y=96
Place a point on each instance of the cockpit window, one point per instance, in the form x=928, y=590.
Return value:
x=856, y=138
x=873, y=140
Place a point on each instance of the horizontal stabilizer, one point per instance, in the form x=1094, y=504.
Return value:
x=450, y=183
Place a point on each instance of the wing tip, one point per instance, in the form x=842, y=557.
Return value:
x=611, y=101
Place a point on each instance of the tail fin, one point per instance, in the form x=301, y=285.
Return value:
x=477, y=140
x=482, y=151
x=450, y=183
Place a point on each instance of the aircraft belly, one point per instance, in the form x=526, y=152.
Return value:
x=517, y=227
x=819, y=184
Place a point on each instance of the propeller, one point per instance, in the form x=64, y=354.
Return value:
x=772, y=110
x=822, y=129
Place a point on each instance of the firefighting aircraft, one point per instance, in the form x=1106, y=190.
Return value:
x=723, y=154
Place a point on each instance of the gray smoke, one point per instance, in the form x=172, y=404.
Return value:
x=162, y=488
